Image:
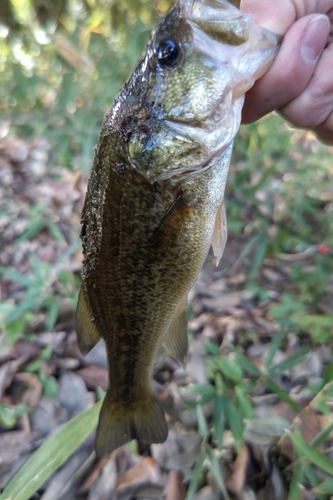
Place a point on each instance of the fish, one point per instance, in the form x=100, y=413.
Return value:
x=155, y=201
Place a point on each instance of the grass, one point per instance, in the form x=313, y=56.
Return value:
x=59, y=81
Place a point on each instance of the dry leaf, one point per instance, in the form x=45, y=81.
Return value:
x=27, y=389
x=94, y=376
x=176, y=489
x=236, y=481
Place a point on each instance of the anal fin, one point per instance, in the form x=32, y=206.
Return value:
x=176, y=340
x=220, y=233
x=86, y=330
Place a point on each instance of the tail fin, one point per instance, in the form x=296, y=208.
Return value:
x=117, y=425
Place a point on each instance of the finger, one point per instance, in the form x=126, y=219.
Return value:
x=291, y=70
x=275, y=16
x=313, y=107
x=325, y=131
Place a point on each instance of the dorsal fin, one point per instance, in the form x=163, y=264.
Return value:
x=220, y=233
x=87, y=333
x=176, y=340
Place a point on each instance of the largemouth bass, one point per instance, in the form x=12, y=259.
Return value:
x=154, y=204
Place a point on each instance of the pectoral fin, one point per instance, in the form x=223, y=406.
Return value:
x=86, y=330
x=220, y=233
x=176, y=340
x=170, y=232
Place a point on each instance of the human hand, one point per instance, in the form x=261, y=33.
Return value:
x=299, y=83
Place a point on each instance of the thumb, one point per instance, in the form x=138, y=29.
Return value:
x=292, y=68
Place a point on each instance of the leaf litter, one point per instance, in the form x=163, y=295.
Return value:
x=45, y=381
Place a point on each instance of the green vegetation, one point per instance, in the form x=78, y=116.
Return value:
x=60, y=72
x=51, y=455
x=60, y=77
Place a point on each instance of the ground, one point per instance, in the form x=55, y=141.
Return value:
x=272, y=379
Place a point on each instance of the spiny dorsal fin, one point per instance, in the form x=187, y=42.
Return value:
x=176, y=340
x=87, y=333
x=220, y=233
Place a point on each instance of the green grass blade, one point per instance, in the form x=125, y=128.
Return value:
x=311, y=453
x=328, y=373
x=202, y=422
x=196, y=475
x=51, y=455
x=219, y=420
x=34, y=228
x=292, y=361
x=230, y=368
x=247, y=365
x=274, y=346
x=212, y=348
x=249, y=245
x=295, y=490
x=16, y=276
x=325, y=488
x=236, y=423
x=216, y=471
x=29, y=303
x=258, y=257
x=322, y=436
x=283, y=395
x=310, y=474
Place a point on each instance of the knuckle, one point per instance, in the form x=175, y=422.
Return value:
x=324, y=131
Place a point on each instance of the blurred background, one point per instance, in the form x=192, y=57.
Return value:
x=270, y=300
x=63, y=62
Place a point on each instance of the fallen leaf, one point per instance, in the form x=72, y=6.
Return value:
x=48, y=414
x=227, y=300
x=94, y=376
x=14, y=443
x=106, y=483
x=236, y=480
x=176, y=489
x=73, y=470
x=25, y=350
x=7, y=372
x=309, y=423
x=27, y=389
x=94, y=473
x=16, y=149
x=206, y=493
x=146, y=471
x=73, y=394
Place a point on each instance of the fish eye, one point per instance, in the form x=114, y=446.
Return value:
x=168, y=53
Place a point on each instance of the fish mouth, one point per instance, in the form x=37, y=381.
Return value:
x=240, y=52
x=222, y=33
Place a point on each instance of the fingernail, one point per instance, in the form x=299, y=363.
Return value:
x=315, y=37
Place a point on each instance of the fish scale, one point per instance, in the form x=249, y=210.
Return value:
x=154, y=204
